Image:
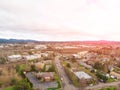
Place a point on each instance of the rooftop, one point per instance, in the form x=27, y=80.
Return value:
x=14, y=56
x=82, y=74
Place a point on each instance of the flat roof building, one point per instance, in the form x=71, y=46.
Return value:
x=82, y=74
x=13, y=58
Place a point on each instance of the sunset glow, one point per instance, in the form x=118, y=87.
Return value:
x=60, y=20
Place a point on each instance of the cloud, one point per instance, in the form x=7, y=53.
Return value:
x=60, y=19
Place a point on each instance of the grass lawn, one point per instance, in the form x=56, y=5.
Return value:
x=51, y=89
x=19, y=68
x=10, y=88
x=109, y=88
x=110, y=80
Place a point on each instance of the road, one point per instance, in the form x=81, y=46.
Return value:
x=66, y=83
x=99, y=86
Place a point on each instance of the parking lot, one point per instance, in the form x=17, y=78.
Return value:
x=38, y=85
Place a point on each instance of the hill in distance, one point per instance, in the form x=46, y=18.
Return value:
x=16, y=40
x=2, y=40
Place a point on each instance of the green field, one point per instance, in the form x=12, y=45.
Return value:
x=9, y=88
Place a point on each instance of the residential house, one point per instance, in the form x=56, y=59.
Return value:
x=48, y=61
x=45, y=76
x=81, y=54
x=14, y=58
x=1, y=46
x=39, y=65
x=117, y=75
x=40, y=47
x=32, y=57
x=85, y=65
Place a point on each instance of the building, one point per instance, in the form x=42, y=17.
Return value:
x=40, y=47
x=69, y=47
x=1, y=46
x=39, y=65
x=86, y=65
x=14, y=58
x=48, y=62
x=44, y=54
x=32, y=57
x=82, y=74
x=117, y=75
x=75, y=55
x=45, y=76
x=82, y=54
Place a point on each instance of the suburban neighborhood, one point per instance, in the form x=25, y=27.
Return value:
x=60, y=66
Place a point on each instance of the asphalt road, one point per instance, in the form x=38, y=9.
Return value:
x=66, y=83
x=99, y=86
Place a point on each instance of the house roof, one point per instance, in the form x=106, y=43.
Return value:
x=46, y=74
x=14, y=56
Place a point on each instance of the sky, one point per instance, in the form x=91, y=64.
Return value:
x=60, y=20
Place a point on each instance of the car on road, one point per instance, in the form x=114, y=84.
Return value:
x=61, y=78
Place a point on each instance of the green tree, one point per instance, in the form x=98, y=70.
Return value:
x=20, y=68
x=23, y=85
x=1, y=84
x=102, y=76
x=2, y=60
x=30, y=53
x=0, y=72
x=68, y=65
x=98, y=65
x=17, y=68
x=13, y=81
x=33, y=68
x=73, y=59
x=51, y=69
